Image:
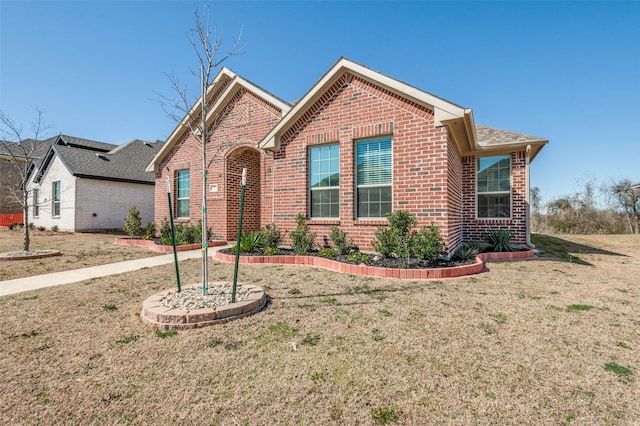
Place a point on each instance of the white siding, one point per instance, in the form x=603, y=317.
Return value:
x=103, y=205
x=57, y=171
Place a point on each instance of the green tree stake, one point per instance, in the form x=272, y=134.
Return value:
x=173, y=235
x=235, y=269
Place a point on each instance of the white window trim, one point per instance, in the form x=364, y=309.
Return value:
x=178, y=199
x=355, y=180
x=510, y=192
x=53, y=200
x=309, y=188
x=36, y=203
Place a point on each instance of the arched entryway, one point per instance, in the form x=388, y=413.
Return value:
x=236, y=161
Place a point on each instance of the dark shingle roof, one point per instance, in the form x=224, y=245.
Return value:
x=34, y=149
x=99, y=160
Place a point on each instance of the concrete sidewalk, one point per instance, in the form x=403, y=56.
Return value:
x=72, y=276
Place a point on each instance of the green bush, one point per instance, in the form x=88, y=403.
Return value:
x=272, y=236
x=15, y=225
x=133, y=223
x=271, y=251
x=340, y=240
x=185, y=233
x=55, y=228
x=327, y=252
x=427, y=244
x=466, y=252
x=500, y=240
x=396, y=239
x=358, y=257
x=302, y=239
x=251, y=242
x=149, y=231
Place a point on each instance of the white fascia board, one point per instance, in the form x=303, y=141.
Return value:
x=443, y=110
x=182, y=126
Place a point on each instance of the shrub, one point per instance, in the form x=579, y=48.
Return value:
x=340, y=240
x=480, y=246
x=185, y=233
x=427, y=244
x=133, y=223
x=32, y=225
x=358, y=257
x=327, y=252
x=272, y=237
x=55, y=228
x=500, y=240
x=149, y=231
x=395, y=240
x=251, y=242
x=466, y=252
x=41, y=228
x=15, y=225
x=271, y=251
x=302, y=239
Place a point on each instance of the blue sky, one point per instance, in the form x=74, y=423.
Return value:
x=565, y=71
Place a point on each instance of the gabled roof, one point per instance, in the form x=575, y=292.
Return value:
x=445, y=112
x=32, y=148
x=219, y=94
x=103, y=161
x=494, y=140
x=459, y=120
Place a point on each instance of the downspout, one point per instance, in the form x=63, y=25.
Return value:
x=527, y=198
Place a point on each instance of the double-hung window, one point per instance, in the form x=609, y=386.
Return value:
x=55, y=198
x=494, y=187
x=324, y=181
x=374, y=163
x=183, y=178
x=36, y=202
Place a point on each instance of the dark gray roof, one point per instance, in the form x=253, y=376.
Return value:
x=99, y=160
x=32, y=148
x=490, y=136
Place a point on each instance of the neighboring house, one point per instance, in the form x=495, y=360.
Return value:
x=14, y=155
x=359, y=145
x=86, y=186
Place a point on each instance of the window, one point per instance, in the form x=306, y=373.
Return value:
x=36, y=202
x=182, y=193
x=373, y=177
x=494, y=187
x=55, y=198
x=324, y=180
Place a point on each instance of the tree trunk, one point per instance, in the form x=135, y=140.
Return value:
x=25, y=220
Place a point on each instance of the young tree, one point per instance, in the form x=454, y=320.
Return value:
x=192, y=114
x=627, y=197
x=21, y=154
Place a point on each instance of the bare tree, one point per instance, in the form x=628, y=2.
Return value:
x=191, y=113
x=628, y=199
x=22, y=153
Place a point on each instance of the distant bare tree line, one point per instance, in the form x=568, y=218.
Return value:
x=606, y=208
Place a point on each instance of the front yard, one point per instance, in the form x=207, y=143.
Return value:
x=553, y=340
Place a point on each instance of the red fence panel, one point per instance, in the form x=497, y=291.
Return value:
x=8, y=219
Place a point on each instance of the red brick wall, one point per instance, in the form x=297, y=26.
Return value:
x=354, y=109
x=245, y=120
x=475, y=228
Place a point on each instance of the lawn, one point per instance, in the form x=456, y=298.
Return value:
x=553, y=340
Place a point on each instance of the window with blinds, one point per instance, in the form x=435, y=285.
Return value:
x=374, y=171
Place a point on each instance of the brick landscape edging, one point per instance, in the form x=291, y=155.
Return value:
x=374, y=271
x=164, y=318
x=162, y=248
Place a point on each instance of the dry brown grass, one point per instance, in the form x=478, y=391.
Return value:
x=78, y=251
x=526, y=343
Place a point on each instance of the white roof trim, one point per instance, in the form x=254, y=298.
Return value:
x=236, y=81
x=443, y=110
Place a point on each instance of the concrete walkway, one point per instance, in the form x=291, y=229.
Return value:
x=72, y=276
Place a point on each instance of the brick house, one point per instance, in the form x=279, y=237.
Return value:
x=356, y=146
x=239, y=114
